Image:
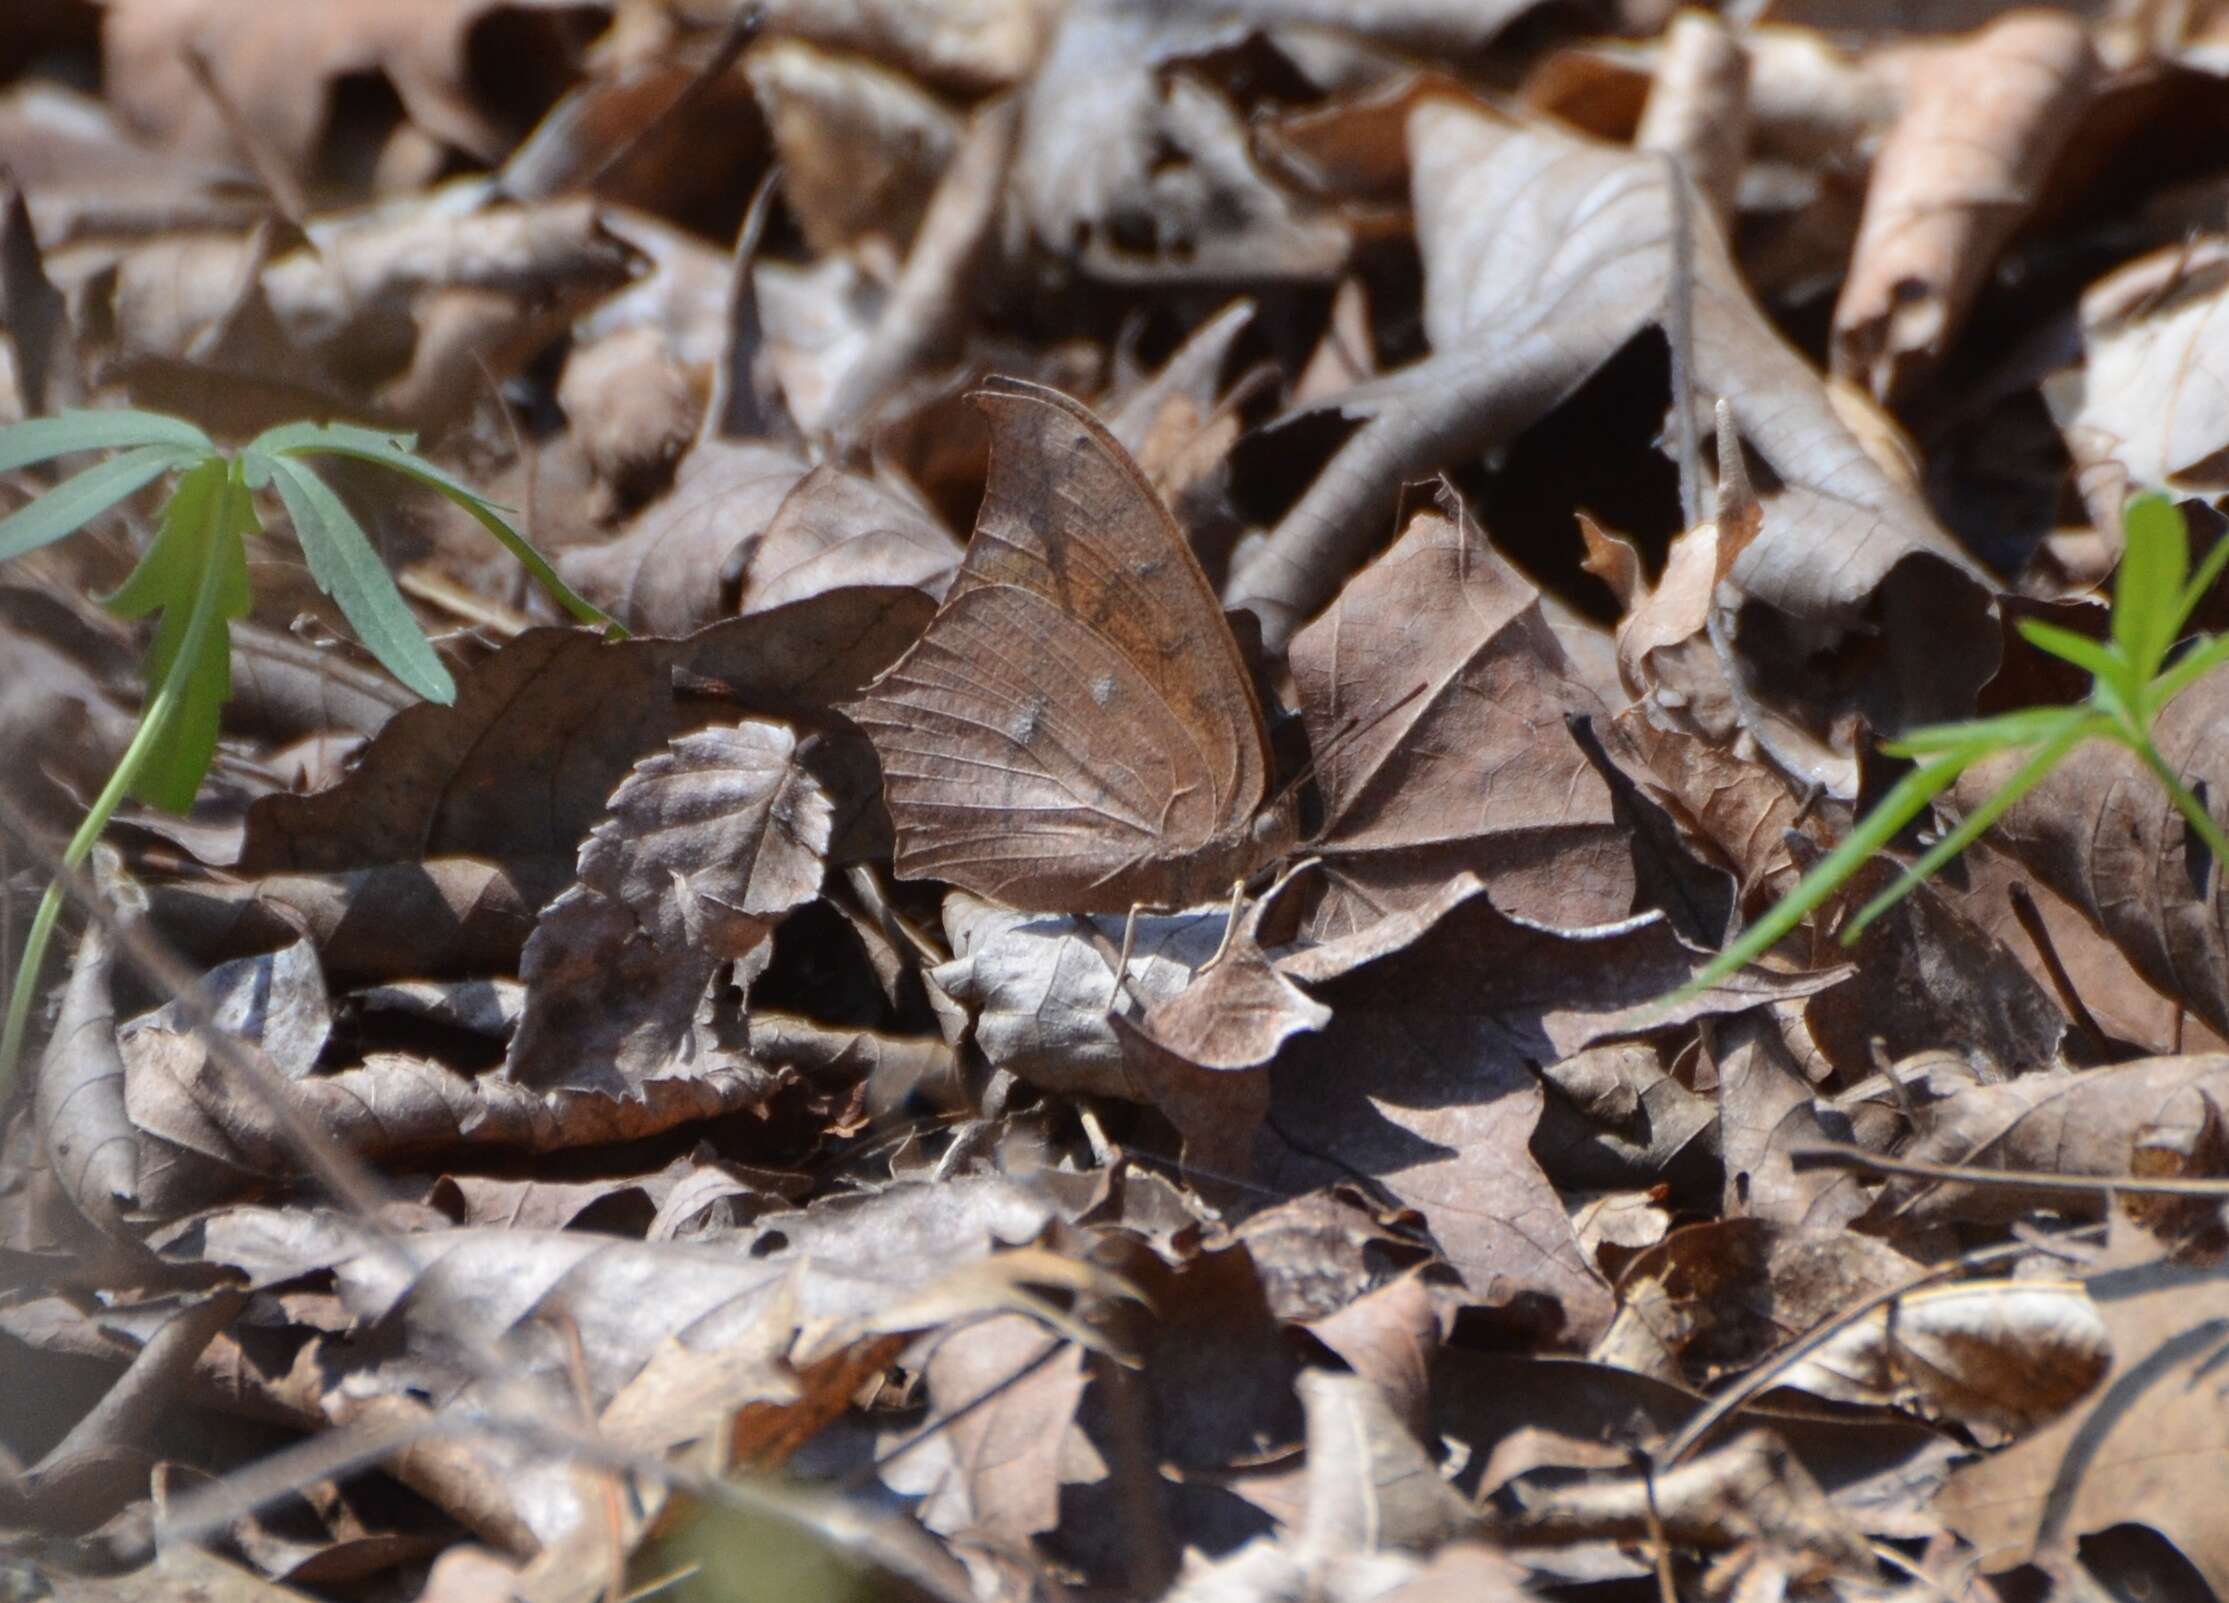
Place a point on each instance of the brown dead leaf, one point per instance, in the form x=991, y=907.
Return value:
x=861, y=146
x=2008, y=1354
x=929, y=304
x=1134, y=168
x=1437, y=695
x=542, y=733
x=708, y=845
x=203, y=1140
x=1543, y=256
x=2104, y=834
x=2083, y=1123
x=79, y=1096
x=634, y=407
x=353, y=314
x=1371, y=1485
x=672, y=570
x=444, y=917
x=1006, y=1458
x=2143, y=409
x=2147, y=1448
x=263, y=60
x=839, y=528
x=1983, y=121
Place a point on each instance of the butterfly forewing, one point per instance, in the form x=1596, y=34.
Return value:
x=1076, y=730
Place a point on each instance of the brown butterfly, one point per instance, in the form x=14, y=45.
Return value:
x=1075, y=732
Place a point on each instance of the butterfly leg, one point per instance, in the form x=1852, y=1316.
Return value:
x=1230, y=928
x=1129, y=939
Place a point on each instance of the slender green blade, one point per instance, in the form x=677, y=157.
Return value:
x=2205, y=655
x=346, y=568
x=81, y=498
x=1899, y=807
x=2102, y=662
x=2032, y=773
x=43, y=438
x=390, y=452
x=2202, y=581
x=1981, y=736
x=2148, y=591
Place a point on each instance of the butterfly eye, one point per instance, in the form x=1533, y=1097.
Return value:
x=1266, y=827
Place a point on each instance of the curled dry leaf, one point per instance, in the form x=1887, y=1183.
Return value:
x=1983, y=122
x=670, y=572
x=346, y=314
x=1006, y=1458
x=1543, y=256
x=1371, y=1485
x=423, y=48
x=970, y=49
x=841, y=528
x=203, y=1139
x=861, y=146
x=634, y=407
x=79, y=1096
x=707, y=846
x=1038, y=988
x=457, y=917
x=1135, y=168
x=2084, y=1123
x=2145, y=408
x=2008, y=1354
x=927, y=308
x=2148, y=1447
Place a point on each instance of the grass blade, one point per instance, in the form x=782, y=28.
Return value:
x=345, y=566
x=2147, y=592
x=2032, y=773
x=2100, y=662
x=1898, y=808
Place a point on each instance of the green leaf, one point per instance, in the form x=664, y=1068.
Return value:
x=187, y=739
x=346, y=568
x=167, y=574
x=2147, y=592
x=2188, y=805
x=2102, y=662
x=81, y=498
x=2031, y=774
x=1982, y=736
x=1898, y=808
x=2202, y=581
x=390, y=451
x=44, y=438
x=2206, y=653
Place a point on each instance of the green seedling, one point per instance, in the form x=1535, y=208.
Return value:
x=196, y=575
x=2132, y=682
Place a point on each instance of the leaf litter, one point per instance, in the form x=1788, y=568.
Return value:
x=950, y=1064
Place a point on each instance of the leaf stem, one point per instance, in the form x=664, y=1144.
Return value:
x=152, y=723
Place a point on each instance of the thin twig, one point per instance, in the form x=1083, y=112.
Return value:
x=1835, y=1155
x=1727, y=1403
